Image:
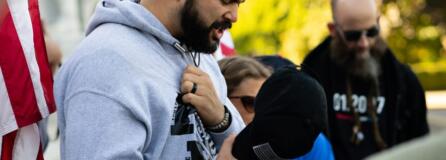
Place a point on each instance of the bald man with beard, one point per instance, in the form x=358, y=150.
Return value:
x=374, y=101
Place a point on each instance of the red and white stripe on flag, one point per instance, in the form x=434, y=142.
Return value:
x=226, y=47
x=26, y=92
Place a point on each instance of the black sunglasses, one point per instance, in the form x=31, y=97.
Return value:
x=247, y=101
x=355, y=35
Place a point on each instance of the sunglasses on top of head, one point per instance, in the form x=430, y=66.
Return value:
x=355, y=35
x=247, y=101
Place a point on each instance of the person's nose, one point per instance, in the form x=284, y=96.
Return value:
x=363, y=42
x=232, y=13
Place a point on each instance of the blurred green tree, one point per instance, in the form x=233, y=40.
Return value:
x=412, y=32
x=291, y=28
x=286, y=27
x=414, y=29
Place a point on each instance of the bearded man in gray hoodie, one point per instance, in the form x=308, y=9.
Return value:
x=142, y=85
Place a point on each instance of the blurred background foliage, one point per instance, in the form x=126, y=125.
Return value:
x=414, y=29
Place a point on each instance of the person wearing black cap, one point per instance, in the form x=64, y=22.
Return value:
x=274, y=61
x=322, y=148
x=290, y=114
x=374, y=101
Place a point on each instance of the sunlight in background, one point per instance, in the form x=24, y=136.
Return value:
x=286, y=27
x=292, y=28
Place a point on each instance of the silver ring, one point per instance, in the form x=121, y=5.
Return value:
x=194, y=88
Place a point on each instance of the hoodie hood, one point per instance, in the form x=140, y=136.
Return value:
x=131, y=13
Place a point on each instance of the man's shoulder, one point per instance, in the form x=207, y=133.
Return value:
x=96, y=69
x=113, y=45
x=319, y=54
x=117, y=36
x=408, y=75
x=316, y=62
x=404, y=71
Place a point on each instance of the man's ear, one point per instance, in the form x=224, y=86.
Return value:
x=332, y=29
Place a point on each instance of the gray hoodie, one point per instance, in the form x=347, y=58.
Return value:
x=117, y=95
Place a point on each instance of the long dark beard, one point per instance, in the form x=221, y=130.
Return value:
x=196, y=35
x=368, y=69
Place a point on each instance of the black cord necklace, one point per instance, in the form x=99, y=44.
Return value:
x=196, y=58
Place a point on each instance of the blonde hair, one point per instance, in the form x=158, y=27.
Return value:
x=237, y=69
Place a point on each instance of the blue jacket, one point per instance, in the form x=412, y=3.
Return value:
x=321, y=150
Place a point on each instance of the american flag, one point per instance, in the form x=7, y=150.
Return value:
x=226, y=47
x=26, y=92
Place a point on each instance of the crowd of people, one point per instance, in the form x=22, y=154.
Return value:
x=144, y=84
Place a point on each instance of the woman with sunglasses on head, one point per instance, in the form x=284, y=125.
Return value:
x=244, y=76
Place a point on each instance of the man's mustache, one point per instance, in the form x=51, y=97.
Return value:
x=221, y=25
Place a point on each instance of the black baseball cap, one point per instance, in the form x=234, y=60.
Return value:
x=290, y=112
x=275, y=62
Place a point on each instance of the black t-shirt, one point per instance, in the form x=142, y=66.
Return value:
x=401, y=107
x=343, y=119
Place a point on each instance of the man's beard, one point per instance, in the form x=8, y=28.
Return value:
x=366, y=68
x=196, y=35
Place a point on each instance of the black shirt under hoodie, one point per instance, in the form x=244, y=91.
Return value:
x=400, y=106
